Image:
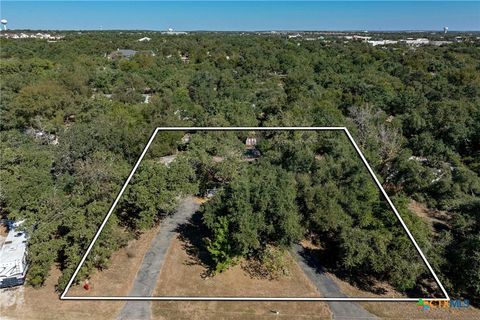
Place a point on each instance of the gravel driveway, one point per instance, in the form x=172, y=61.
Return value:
x=147, y=275
x=341, y=310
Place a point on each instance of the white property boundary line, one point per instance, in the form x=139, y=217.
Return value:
x=177, y=298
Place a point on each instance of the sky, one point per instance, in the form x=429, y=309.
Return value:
x=242, y=15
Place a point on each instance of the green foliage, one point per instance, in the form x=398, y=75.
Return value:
x=219, y=245
x=414, y=113
x=463, y=253
x=257, y=208
x=270, y=264
x=154, y=191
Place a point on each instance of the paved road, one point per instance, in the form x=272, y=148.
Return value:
x=147, y=275
x=341, y=310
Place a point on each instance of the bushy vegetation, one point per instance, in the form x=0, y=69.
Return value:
x=67, y=146
x=256, y=209
x=271, y=264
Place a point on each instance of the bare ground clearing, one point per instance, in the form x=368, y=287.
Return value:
x=182, y=276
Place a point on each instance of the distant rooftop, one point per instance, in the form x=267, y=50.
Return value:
x=122, y=53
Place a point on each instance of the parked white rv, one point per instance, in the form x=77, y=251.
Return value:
x=13, y=258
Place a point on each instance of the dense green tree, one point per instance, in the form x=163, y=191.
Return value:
x=256, y=209
x=154, y=191
x=463, y=253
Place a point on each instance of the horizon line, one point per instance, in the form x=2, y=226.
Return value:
x=236, y=31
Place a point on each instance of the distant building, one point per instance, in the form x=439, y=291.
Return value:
x=186, y=138
x=416, y=42
x=409, y=41
x=13, y=258
x=381, y=42
x=144, y=39
x=251, y=142
x=439, y=42
x=128, y=53
x=184, y=58
x=146, y=97
x=361, y=38
x=171, y=31
x=38, y=35
x=298, y=35
x=122, y=54
x=251, y=152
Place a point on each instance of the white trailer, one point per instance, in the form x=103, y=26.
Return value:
x=13, y=258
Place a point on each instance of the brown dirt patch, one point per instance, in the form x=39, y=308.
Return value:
x=118, y=278
x=199, y=310
x=3, y=234
x=200, y=200
x=182, y=276
x=435, y=218
x=180, y=269
x=3, y=230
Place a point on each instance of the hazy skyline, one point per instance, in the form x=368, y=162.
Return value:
x=242, y=16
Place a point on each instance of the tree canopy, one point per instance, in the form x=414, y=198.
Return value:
x=73, y=123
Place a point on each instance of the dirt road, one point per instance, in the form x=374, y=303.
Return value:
x=147, y=275
x=341, y=310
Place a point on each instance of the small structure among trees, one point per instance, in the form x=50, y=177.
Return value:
x=127, y=53
x=122, y=53
x=251, y=142
x=13, y=258
x=252, y=152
